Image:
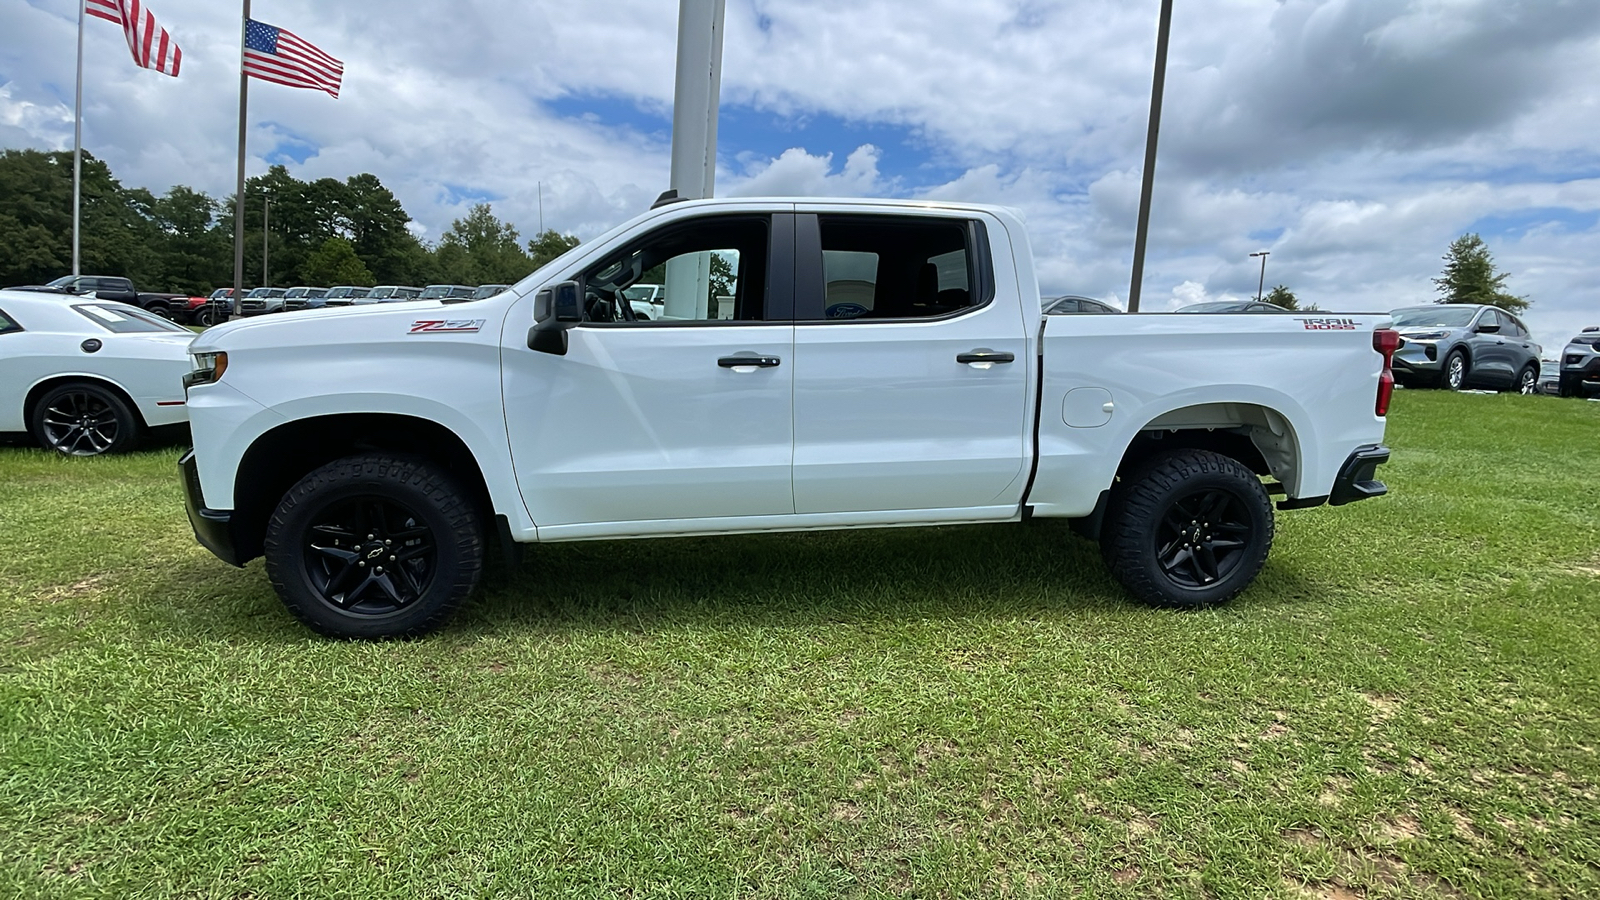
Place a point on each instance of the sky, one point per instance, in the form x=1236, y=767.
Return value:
x=1353, y=139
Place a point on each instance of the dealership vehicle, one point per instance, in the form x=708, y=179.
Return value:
x=646, y=300
x=485, y=291
x=446, y=292
x=1071, y=305
x=86, y=376
x=1462, y=345
x=262, y=300
x=388, y=293
x=304, y=298
x=344, y=295
x=1580, y=365
x=112, y=287
x=1232, y=306
x=883, y=363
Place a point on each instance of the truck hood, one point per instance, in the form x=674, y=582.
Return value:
x=339, y=325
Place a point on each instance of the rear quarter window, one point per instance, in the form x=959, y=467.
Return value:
x=119, y=320
x=8, y=324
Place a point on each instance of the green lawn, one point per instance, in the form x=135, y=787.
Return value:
x=1406, y=705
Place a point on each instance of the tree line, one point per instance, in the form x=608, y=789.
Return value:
x=322, y=232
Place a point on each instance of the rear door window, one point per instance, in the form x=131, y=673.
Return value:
x=897, y=267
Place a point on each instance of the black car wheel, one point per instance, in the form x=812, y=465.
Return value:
x=1188, y=528
x=1455, y=371
x=1528, y=381
x=83, y=419
x=374, y=546
x=160, y=309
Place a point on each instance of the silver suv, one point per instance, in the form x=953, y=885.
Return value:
x=1580, y=364
x=1461, y=345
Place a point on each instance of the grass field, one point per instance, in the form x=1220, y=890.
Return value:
x=1406, y=705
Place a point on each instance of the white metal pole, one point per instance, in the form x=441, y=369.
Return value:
x=694, y=143
x=695, y=97
x=77, y=150
x=238, y=207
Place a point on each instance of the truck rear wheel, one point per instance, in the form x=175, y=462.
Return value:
x=1187, y=529
x=374, y=546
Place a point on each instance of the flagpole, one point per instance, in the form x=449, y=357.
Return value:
x=238, y=207
x=77, y=147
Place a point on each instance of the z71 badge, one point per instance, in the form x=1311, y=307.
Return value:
x=1328, y=324
x=445, y=326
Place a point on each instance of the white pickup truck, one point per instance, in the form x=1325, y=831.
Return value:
x=816, y=365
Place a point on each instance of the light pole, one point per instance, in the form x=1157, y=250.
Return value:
x=266, y=210
x=1262, y=286
x=1157, y=88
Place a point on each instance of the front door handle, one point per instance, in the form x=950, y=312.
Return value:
x=747, y=363
x=983, y=358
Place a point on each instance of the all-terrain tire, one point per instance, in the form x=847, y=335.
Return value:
x=375, y=546
x=1190, y=502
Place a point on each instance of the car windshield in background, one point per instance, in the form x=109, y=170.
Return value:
x=486, y=291
x=63, y=281
x=126, y=320
x=1434, y=317
x=1212, y=306
x=639, y=293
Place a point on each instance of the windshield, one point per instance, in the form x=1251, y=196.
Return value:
x=126, y=319
x=485, y=291
x=295, y=292
x=435, y=291
x=380, y=293
x=1441, y=316
x=63, y=281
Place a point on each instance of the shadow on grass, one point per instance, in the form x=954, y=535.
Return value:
x=1041, y=570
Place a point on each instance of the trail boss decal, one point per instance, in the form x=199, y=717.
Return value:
x=445, y=326
x=1328, y=324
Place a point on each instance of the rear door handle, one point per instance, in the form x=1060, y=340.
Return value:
x=983, y=358
x=749, y=362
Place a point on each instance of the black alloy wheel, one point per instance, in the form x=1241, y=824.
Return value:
x=1202, y=537
x=369, y=555
x=374, y=546
x=1187, y=528
x=83, y=420
x=1528, y=381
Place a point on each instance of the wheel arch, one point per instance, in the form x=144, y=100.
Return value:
x=282, y=455
x=44, y=385
x=1264, y=439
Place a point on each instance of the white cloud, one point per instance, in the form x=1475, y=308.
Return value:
x=1352, y=138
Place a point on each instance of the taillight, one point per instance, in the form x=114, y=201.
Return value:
x=1386, y=341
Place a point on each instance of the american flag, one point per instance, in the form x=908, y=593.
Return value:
x=273, y=54
x=152, y=47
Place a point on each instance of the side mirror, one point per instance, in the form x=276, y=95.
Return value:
x=555, y=309
x=1488, y=328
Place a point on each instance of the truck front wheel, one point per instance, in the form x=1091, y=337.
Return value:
x=374, y=546
x=1188, y=528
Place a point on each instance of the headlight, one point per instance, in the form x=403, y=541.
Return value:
x=208, y=367
x=1428, y=336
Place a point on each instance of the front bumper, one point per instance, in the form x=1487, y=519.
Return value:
x=212, y=528
x=1417, y=359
